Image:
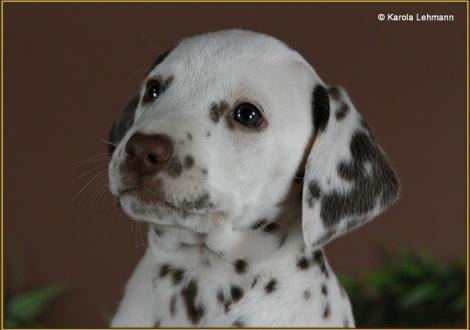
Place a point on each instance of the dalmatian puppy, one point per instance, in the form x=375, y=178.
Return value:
x=244, y=164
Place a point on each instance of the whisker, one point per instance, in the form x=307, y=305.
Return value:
x=107, y=142
x=89, y=182
x=91, y=158
x=101, y=187
x=85, y=173
x=101, y=157
x=140, y=245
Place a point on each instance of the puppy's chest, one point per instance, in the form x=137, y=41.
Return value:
x=196, y=289
x=192, y=289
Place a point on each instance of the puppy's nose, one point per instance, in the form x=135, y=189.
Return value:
x=147, y=153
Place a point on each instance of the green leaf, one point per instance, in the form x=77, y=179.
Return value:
x=377, y=281
x=26, y=307
x=345, y=281
x=419, y=294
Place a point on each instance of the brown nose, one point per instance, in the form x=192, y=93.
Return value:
x=148, y=153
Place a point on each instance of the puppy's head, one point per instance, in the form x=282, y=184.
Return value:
x=220, y=129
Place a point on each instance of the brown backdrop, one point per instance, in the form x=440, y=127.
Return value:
x=69, y=68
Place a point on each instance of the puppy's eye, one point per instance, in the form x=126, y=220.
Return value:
x=152, y=90
x=247, y=114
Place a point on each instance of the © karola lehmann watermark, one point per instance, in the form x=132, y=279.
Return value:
x=391, y=17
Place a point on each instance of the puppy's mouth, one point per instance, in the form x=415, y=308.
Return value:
x=147, y=196
x=145, y=200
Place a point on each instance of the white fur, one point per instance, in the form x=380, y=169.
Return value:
x=249, y=177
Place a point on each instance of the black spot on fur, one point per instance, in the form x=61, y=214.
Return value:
x=217, y=110
x=236, y=292
x=158, y=231
x=173, y=305
x=188, y=162
x=189, y=294
x=367, y=188
x=255, y=280
x=313, y=193
x=303, y=263
x=270, y=227
x=326, y=311
x=220, y=297
x=319, y=259
x=200, y=203
x=190, y=137
x=282, y=240
x=321, y=108
x=177, y=276
x=157, y=324
x=227, y=306
x=240, y=266
x=324, y=290
x=342, y=111
x=175, y=168
x=307, y=294
x=204, y=171
x=164, y=270
x=258, y=224
x=271, y=286
x=208, y=134
x=335, y=93
x=238, y=323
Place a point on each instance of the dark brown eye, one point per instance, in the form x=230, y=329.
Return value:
x=152, y=90
x=248, y=115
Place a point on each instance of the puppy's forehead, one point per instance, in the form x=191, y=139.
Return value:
x=228, y=54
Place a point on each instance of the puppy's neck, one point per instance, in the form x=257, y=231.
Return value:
x=252, y=239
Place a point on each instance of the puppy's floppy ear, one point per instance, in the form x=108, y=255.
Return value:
x=348, y=179
x=122, y=124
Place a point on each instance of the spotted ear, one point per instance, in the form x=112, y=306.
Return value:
x=122, y=124
x=348, y=179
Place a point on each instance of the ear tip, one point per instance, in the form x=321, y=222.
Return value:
x=392, y=189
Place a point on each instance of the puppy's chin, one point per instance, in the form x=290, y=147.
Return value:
x=142, y=207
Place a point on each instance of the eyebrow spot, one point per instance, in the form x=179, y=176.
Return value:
x=216, y=110
x=167, y=83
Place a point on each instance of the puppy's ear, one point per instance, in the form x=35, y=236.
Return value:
x=348, y=179
x=122, y=124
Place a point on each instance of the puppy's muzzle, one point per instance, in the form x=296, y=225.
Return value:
x=148, y=154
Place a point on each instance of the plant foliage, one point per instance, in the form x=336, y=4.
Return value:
x=409, y=290
x=23, y=310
